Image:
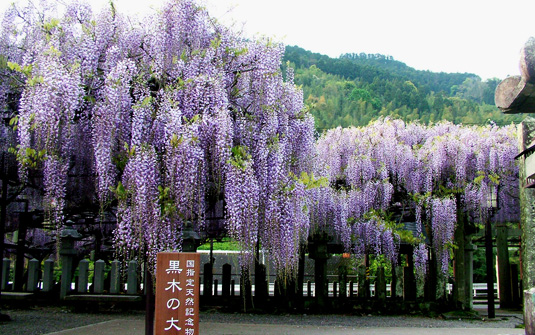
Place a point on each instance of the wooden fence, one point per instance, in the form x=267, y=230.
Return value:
x=114, y=281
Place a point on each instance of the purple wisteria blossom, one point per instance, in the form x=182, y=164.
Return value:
x=433, y=172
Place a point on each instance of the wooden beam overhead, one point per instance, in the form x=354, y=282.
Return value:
x=516, y=94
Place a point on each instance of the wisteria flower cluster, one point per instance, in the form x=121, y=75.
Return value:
x=155, y=110
x=174, y=113
x=372, y=237
x=431, y=173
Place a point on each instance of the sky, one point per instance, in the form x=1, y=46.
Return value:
x=483, y=37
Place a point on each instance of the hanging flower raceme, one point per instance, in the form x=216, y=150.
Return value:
x=185, y=176
x=216, y=135
x=162, y=101
x=55, y=180
x=286, y=226
x=373, y=237
x=341, y=212
x=139, y=214
x=436, y=220
x=45, y=123
x=443, y=214
x=432, y=172
x=111, y=122
x=421, y=258
x=322, y=207
x=242, y=199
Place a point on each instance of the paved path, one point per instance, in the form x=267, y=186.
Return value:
x=137, y=327
x=221, y=324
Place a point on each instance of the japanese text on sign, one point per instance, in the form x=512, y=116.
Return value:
x=177, y=293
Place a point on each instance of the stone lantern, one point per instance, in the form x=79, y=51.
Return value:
x=66, y=251
x=190, y=238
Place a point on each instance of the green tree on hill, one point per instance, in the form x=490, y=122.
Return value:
x=357, y=88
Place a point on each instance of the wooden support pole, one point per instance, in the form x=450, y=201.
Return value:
x=21, y=250
x=335, y=289
x=459, y=269
x=515, y=285
x=232, y=288
x=226, y=280
x=490, y=270
x=149, y=302
x=261, y=284
x=380, y=284
x=342, y=278
x=6, y=269
x=3, y=216
x=208, y=280
x=504, y=267
x=469, y=249
x=216, y=285
x=409, y=280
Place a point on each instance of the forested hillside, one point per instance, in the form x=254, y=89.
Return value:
x=357, y=88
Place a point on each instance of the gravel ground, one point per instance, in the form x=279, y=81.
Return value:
x=43, y=320
x=510, y=321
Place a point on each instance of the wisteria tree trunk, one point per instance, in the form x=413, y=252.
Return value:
x=3, y=317
x=432, y=277
x=459, y=288
x=301, y=276
x=318, y=252
x=261, y=284
x=246, y=289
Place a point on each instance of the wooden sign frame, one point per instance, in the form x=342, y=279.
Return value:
x=177, y=293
